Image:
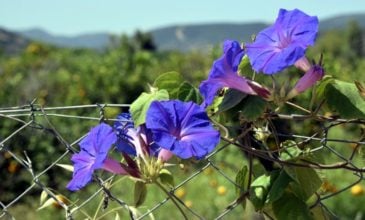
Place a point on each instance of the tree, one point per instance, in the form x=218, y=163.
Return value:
x=355, y=39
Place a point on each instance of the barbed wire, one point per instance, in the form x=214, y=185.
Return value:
x=37, y=118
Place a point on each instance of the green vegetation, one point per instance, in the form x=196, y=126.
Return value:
x=63, y=77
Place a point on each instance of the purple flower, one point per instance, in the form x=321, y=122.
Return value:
x=122, y=125
x=314, y=74
x=182, y=128
x=283, y=43
x=224, y=74
x=137, y=141
x=124, y=121
x=93, y=155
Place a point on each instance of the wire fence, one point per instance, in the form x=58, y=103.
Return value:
x=33, y=119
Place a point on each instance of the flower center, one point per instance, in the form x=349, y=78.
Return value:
x=176, y=133
x=284, y=40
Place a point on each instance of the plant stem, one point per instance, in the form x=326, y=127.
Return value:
x=172, y=199
x=101, y=201
x=298, y=107
x=225, y=130
x=313, y=98
x=98, y=209
x=109, y=212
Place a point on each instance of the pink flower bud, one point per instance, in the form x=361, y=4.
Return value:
x=165, y=155
x=303, y=64
x=113, y=167
x=314, y=74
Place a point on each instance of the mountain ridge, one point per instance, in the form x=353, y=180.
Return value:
x=182, y=37
x=11, y=43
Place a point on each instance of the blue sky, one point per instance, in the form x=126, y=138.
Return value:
x=71, y=17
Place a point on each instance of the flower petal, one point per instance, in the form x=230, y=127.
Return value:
x=94, y=150
x=209, y=89
x=164, y=155
x=314, y=74
x=83, y=170
x=283, y=43
x=126, y=147
x=224, y=74
x=182, y=128
x=114, y=166
x=98, y=142
x=104, y=138
x=123, y=121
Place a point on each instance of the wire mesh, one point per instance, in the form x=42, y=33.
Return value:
x=33, y=120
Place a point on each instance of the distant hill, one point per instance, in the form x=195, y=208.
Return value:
x=184, y=37
x=340, y=22
x=203, y=36
x=11, y=43
x=93, y=41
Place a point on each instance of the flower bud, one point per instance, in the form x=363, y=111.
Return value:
x=314, y=74
x=303, y=64
x=165, y=155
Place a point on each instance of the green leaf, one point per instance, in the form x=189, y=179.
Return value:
x=321, y=87
x=290, y=150
x=245, y=66
x=169, y=81
x=361, y=89
x=187, y=92
x=344, y=98
x=253, y=107
x=291, y=207
x=259, y=189
x=242, y=179
x=166, y=178
x=268, y=188
x=140, y=193
x=306, y=181
x=231, y=99
x=140, y=106
x=213, y=108
x=278, y=187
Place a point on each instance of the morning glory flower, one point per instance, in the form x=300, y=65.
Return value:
x=314, y=74
x=137, y=141
x=122, y=124
x=284, y=43
x=224, y=74
x=93, y=156
x=182, y=128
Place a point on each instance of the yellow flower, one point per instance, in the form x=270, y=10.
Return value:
x=221, y=190
x=180, y=192
x=357, y=190
x=188, y=203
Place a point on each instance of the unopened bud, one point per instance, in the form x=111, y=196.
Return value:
x=303, y=64
x=314, y=74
